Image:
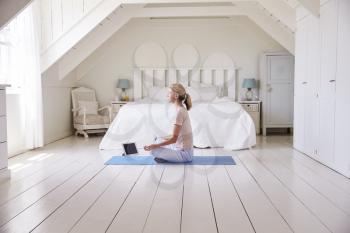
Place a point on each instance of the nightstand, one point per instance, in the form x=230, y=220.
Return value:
x=254, y=110
x=116, y=105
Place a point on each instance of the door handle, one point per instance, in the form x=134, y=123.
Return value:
x=331, y=81
x=304, y=83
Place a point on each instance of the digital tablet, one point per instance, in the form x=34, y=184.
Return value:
x=129, y=148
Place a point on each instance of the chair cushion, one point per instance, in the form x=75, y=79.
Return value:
x=92, y=119
x=90, y=107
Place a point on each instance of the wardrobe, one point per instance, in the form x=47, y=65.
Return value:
x=322, y=85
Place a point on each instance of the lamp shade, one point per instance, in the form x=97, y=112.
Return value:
x=123, y=83
x=249, y=83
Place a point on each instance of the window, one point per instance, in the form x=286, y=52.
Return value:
x=12, y=51
x=20, y=67
x=4, y=55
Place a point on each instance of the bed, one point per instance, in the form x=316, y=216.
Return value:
x=216, y=119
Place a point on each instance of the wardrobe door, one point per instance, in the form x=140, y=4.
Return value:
x=300, y=85
x=342, y=115
x=311, y=87
x=328, y=24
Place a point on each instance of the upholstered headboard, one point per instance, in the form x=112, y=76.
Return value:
x=224, y=78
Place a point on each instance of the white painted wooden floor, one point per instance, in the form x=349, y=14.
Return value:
x=64, y=187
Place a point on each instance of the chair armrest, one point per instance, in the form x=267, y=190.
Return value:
x=76, y=111
x=109, y=108
x=104, y=107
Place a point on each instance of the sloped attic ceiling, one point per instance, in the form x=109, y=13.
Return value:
x=277, y=30
x=276, y=17
x=10, y=8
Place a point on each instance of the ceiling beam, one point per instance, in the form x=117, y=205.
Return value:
x=280, y=10
x=292, y=3
x=277, y=31
x=311, y=5
x=277, y=8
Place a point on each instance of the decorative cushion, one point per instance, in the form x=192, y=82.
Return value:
x=92, y=119
x=89, y=106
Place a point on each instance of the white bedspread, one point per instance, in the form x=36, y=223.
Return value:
x=221, y=123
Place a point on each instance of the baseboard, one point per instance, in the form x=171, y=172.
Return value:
x=48, y=140
x=5, y=175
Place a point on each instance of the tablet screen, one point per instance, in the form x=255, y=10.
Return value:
x=130, y=148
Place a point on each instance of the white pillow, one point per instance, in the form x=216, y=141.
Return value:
x=90, y=107
x=194, y=92
x=158, y=94
x=208, y=93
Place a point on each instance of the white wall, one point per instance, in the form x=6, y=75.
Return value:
x=57, y=105
x=239, y=37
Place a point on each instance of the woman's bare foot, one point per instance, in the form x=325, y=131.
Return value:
x=160, y=160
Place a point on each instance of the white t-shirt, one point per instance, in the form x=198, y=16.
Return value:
x=185, y=138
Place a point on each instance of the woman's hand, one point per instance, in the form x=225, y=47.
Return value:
x=150, y=147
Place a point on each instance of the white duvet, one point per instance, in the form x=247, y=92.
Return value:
x=220, y=123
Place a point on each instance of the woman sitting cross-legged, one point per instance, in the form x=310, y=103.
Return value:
x=178, y=147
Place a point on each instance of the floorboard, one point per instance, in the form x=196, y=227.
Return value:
x=335, y=219
x=133, y=214
x=325, y=187
x=48, y=204
x=197, y=212
x=299, y=218
x=263, y=215
x=165, y=213
x=70, y=212
x=100, y=215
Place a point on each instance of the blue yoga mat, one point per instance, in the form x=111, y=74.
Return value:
x=149, y=160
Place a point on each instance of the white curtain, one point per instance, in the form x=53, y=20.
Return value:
x=24, y=71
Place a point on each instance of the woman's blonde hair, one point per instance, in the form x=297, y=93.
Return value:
x=183, y=96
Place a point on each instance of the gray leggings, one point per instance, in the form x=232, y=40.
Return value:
x=172, y=154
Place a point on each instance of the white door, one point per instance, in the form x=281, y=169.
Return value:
x=328, y=24
x=279, y=91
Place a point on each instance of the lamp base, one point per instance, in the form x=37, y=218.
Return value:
x=249, y=95
x=124, y=96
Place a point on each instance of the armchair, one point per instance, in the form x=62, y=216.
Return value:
x=87, y=117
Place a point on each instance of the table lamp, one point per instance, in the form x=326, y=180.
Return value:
x=249, y=83
x=123, y=84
